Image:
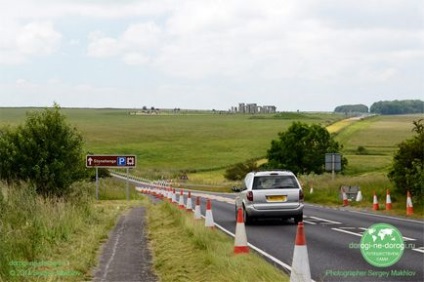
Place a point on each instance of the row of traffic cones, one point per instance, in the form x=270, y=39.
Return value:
x=171, y=195
x=375, y=204
x=409, y=206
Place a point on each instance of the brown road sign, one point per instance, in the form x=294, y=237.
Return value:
x=113, y=161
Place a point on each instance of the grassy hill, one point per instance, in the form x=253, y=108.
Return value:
x=168, y=143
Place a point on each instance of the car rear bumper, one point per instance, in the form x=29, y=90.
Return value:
x=252, y=212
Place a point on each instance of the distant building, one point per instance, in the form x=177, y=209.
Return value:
x=253, y=108
x=242, y=108
x=269, y=109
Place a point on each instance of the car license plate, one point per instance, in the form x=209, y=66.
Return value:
x=279, y=198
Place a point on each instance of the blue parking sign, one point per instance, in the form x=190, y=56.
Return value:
x=122, y=161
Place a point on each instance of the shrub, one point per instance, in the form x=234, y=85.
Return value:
x=45, y=152
x=407, y=171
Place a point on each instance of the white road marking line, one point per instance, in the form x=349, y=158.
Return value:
x=309, y=222
x=404, y=238
x=409, y=239
x=386, y=216
x=325, y=220
x=347, y=232
x=420, y=250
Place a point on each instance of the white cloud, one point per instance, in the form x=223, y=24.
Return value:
x=102, y=46
x=18, y=43
x=134, y=58
x=134, y=45
x=142, y=35
x=38, y=38
x=271, y=39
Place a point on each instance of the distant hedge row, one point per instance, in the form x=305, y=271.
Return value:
x=397, y=107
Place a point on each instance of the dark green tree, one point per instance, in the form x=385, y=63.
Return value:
x=398, y=107
x=408, y=164
x=359, y=108
x=302, y=149
x=45, y=151
x=239, y=170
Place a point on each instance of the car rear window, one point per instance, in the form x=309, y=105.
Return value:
x=274, y=182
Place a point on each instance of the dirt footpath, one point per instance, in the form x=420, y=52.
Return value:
x=126, y=257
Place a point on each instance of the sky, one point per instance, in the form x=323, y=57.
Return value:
x=309, y=55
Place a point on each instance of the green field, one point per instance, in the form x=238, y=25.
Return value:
x=170, y=143
x=379, y=135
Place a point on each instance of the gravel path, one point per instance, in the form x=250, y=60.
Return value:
x=126, y=256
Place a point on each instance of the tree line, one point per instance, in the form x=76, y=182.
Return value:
x=396, y=107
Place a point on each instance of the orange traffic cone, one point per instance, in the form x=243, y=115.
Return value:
x=409, y=207
x=197, y=214
x=375, y=203
x=209, y=216
x=345, y=200
x=189, y=205
x=174, y=197
x=240, y=244
x=169, y=194
x=181, y=203
x=300, y=267
x=388, y=201
x=359, y=196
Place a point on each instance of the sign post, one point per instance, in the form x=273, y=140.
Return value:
x=128, y=186
x=333, y=163
x=97, y=183
x=111, y=161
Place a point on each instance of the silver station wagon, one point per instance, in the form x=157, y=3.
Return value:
x=275, y=194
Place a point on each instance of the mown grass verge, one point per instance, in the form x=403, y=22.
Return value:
x=184, y=250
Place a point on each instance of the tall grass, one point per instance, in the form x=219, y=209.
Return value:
x=51, y=239
x=32, y=225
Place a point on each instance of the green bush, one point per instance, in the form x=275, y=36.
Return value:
x=407, y=172
x=239, y=170
x=361, y=150
x=45, y=151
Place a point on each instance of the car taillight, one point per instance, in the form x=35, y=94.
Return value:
x=249, y=196
x=301, y=195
